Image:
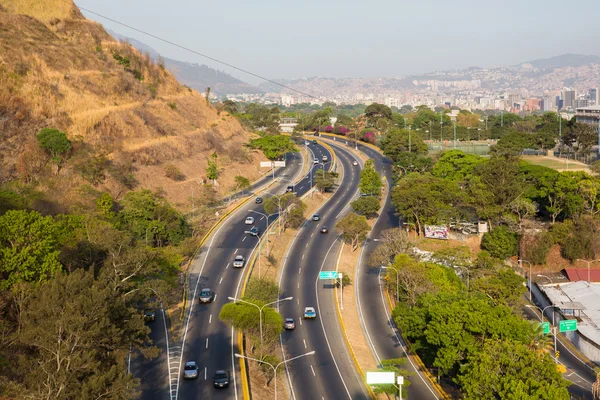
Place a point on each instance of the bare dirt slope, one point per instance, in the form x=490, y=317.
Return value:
x=59, y=70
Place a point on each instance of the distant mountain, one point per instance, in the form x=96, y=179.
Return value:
x=196, y=76
x=562, y=61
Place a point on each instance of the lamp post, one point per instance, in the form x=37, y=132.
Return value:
x=260, y=313
x=521, y=264
x=267, y=228
x=397, y=281
x=542, y=319
x=274, y=367
x=588, y=263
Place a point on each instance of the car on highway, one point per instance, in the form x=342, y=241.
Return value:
x=314, y=141
x=206, y=296
x=324, y=229
x=306, y=142
x=315, y=161
x=253, y=231
x=239, y=261
x=249, y=220
x=221, y=379
x=309, y=313
x=316, y=217
x=355, y=163
x=149, y=316
x=289, y=189
x=324, y=158
x=258, y=200
x=190, y=370
x=289, y=324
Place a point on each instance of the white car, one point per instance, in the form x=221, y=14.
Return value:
x=249, y=220
x=325, y=158
x=355, y=163
x=315, y=161
x=239, y=261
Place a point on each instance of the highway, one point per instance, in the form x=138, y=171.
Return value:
x=374, y=314
x=207, y=340
x=329, y=373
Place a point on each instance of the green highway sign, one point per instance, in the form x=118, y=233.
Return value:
x=567, y=325
x=328, y=275
x=545, y=327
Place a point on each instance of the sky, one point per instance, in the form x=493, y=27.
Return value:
x=348, y=38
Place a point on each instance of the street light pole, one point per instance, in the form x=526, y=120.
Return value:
x=274, y=367
x=542, y=319
x=521, y=263
x=260, y=313
x=588, y=263
x=267, y=228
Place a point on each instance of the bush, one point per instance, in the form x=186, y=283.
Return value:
x=172, y=106
x=123, y=173
x=93, y=169
x=536, y=248
x=54, y=142
x=501, y=242
x=174, y=173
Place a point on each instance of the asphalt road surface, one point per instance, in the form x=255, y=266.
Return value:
x=329, y=373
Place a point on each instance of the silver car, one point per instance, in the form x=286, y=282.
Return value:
x=190, y=370
x=239, y=261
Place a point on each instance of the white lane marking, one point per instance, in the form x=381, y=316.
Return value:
x=244, y=238
x=261, y=218
x=298, y=300
x=204, y=373
x=306, y=245
x=298, y=285
x=313, y=370
x=221, y=280
x=215, y=299
x=207, y=343
x=236, y=250
x=321, y=319
x=304, y=340
x=311, y=235
x=303, y=256
x=227, y=266
x=300, y=270
x=300, y=319
x=210, y=319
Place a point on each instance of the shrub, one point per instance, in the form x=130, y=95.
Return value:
x=172, y=106
x=369, y=137
x=501, y=242
x=123, y=173
x=367, y=206
x=329, y=128
x=174, y=173
x=536, y=248
x=54, y=142
x=93, y=169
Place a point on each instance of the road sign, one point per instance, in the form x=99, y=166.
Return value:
x=279, y=163
x=328, y=275
x=266, y=164
x=545, y=327
x=568, y=325
x=379, y=378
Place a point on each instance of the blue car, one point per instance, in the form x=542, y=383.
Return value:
x=309, y=313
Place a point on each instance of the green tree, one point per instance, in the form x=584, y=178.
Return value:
x=56, y=144
x=500, y=242
x=230, y=106
x=504, y=287
x=274, y=147
x=367, y=206
x=370, y=181
x=245, y=318
x=354, y=228
x=241, y=183
x=29, y=249
x=456, y=165
x=212, y=172
x=505, y=369
x=399, y=141
x=393, y=242
x=513, y=143
x=394, y=365
x=325, y=181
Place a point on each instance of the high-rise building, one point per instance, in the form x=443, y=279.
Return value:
x=595, y=96
x=568, y=97
x=548, y=104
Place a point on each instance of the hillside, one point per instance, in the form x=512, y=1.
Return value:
x=194, y=75
x=126, y=116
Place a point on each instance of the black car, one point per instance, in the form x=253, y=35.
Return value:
x=258, y=200
x=324, y=229
x=253, y=231
x=149, y=316
x=221, y=379
x=290, y=189
x=314, y=142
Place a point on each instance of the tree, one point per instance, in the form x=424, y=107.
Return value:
x=398, y=141
x=325, y=181
x=523, y=208
x=76, y=333
x=367, y=206
x=376, y=110
x=56, y=144
x=456, y=165
x=394, y=365
x=230, y=106
x=29, y=247
x=393, y=242
x=354, y=228
x=241, y=183
x=512, y=144
x=246, y=318
x=500, y=242
x=274, y=147
x=505, y=369
x=370, y=181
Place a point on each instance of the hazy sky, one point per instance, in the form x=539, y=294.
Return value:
x=349, y=38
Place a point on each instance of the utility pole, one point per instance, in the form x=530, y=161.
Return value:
x=455, y=134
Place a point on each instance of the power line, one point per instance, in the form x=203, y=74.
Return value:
x=194, y=51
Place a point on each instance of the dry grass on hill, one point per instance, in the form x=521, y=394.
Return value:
x=59, y=70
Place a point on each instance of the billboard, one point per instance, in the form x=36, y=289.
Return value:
x=436, y=232
x=266, y=164
x=381, y=378
x=279, y=163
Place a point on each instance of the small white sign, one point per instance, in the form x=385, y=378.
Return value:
x=379, y=378
x=340, y=275
x=266, y=164
x=279, y=163
x=400, y=380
